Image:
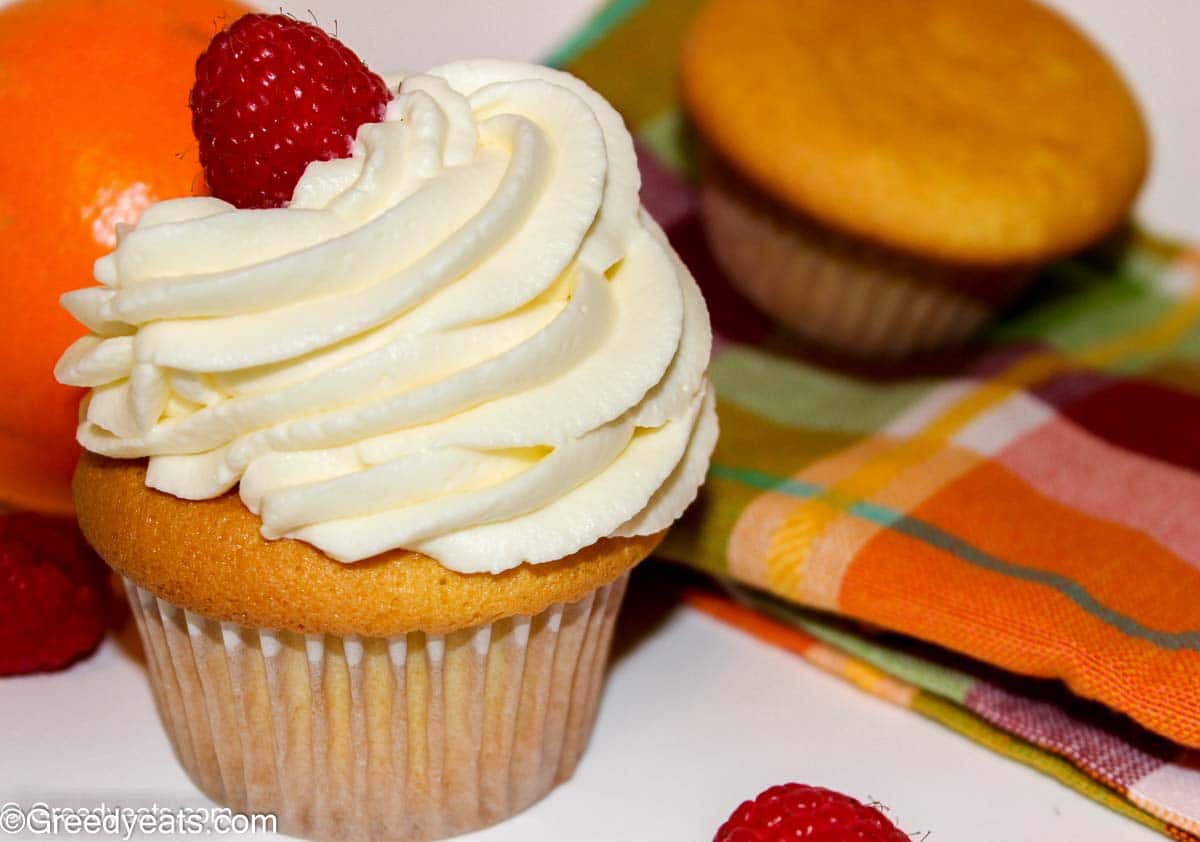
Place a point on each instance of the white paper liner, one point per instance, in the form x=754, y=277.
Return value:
x=415, y=737
x=834, y=290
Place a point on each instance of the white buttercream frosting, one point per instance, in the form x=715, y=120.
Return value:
x=467, y=339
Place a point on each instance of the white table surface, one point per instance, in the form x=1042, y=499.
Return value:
x=695, y=716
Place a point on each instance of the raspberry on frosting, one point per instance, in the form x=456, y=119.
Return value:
x=55, y=594
x=272, y=95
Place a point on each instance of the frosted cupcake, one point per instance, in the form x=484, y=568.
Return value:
x=375, y=465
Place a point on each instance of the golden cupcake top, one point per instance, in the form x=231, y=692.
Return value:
x=978, y=133
x=210, y=557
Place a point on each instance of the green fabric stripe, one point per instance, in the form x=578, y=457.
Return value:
x=788, y=392
x=606, y=20
x=866, y=510
x=1189, y=348
x=1100, y=312
x=926, y=675
x=1088, y=298
x=934, y=536
x=699, y=542
x=766, y=482
x=668, y=138
x=756, y=443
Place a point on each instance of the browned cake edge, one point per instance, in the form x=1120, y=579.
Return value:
x=208, y=557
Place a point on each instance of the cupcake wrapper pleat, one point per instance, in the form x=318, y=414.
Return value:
x=838, y=291
x=415, y=737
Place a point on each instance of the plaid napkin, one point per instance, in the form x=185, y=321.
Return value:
x=1032, y=504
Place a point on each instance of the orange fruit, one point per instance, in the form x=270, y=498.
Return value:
x=96, y=127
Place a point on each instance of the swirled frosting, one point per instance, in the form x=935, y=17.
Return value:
x=466, y=339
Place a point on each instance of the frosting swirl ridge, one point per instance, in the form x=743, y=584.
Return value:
x=466, y=339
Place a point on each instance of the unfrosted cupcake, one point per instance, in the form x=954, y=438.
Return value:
x=883, y=176
x=375, y=465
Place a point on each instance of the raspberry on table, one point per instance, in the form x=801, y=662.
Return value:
x=55, y=594
x=797, y=811
x=273, y=94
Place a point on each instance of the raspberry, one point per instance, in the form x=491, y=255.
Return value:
x=54, y=591
x=273, y=94
x=796, y=811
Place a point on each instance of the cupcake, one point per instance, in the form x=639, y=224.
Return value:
x=881, y=177
x=375, y=464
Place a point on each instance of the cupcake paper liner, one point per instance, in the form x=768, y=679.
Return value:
x=841, y=292
x=414, y=737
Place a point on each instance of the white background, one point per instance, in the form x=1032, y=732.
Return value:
x=695, y=717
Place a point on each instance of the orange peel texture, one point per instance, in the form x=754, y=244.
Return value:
x=97, y=127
